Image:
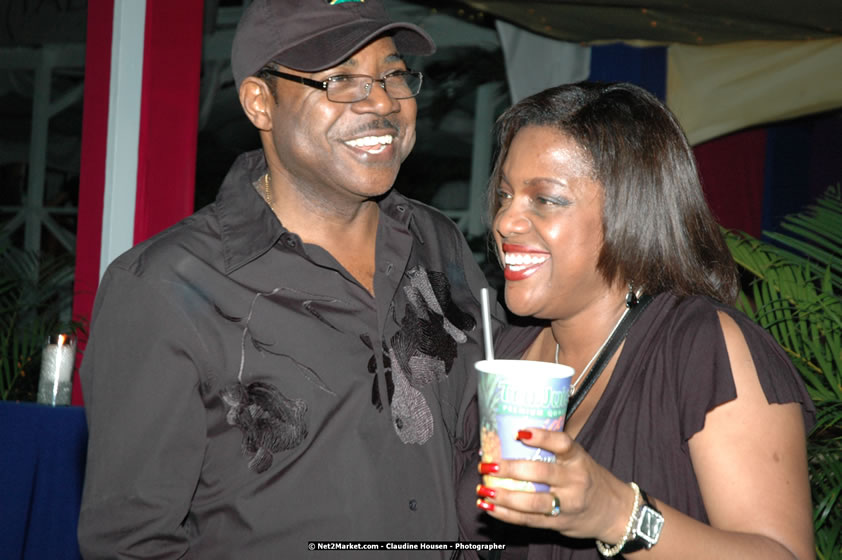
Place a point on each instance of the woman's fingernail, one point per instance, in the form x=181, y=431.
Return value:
x=485, y=491
x=485, y=505
x=489, y=468
x=524, y=434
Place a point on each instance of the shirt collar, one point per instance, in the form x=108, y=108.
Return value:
x=248, y=226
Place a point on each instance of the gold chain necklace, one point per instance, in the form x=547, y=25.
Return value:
x=267, y=193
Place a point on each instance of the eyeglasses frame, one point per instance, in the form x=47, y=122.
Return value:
x=322, y=85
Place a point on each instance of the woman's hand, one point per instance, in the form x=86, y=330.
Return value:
x=592, y=501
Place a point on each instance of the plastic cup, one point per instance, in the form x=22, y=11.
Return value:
x=514, y=395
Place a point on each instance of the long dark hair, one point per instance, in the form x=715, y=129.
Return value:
x=658, y=231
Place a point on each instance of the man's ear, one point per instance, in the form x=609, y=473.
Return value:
x=257, y=102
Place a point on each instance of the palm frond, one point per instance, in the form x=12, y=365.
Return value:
x=795, y=279
x=35, y=292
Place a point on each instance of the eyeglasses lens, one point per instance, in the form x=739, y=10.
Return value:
x=348, y=89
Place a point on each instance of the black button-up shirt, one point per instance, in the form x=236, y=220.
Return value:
x=246, y=395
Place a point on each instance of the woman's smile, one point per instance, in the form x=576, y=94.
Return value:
x=522, y=262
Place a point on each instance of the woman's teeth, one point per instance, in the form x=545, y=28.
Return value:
x=520, y=261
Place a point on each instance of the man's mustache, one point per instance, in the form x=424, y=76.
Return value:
x=379, y=125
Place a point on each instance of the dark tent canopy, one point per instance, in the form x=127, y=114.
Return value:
x=696, y=22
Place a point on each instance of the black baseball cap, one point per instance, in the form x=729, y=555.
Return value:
x=312, y=35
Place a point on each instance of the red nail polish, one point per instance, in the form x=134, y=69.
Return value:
x=485, y=505
x=489, y=468
x=485, y=491
x=524, y=434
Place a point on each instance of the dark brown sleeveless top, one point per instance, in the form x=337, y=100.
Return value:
x=674, y=368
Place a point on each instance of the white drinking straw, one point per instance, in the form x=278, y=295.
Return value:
x=486, y=324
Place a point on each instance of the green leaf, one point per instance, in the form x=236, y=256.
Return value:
x=34, y=292
x=792, y=288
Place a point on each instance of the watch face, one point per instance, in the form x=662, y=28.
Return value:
x=649, y=525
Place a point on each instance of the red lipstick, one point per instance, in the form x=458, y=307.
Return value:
x=522, y=270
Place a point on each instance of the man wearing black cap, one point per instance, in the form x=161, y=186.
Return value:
x=293, y=362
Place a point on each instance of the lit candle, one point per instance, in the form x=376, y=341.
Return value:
x=57, y=361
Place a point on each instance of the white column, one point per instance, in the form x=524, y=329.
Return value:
x=123, y=129
x=535, y=62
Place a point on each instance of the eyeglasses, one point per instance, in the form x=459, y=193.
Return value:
x=350, y=88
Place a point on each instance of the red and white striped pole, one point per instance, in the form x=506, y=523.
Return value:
x=139, y=131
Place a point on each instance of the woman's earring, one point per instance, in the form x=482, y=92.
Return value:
x=631, y=297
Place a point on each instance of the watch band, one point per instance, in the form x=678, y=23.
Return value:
x=647, y=526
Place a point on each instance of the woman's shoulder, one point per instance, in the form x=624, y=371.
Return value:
x=695, y=309
x=700, y=316
x=690, y=328
x=696, y=328
x=681, y=324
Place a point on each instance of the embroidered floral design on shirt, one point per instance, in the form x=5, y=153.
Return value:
x=270, y=422
x=420, y=352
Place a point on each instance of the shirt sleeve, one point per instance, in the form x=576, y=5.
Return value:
x=476, y=281
x=781, y=381
x=707, y=380
x=146, y=421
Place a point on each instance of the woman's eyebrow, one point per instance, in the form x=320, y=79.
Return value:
x=554, y=180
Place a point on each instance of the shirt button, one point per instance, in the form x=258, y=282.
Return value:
x=401, y=208
x=290, y=241
x=413, y=505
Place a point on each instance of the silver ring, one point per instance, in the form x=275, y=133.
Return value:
x=555, y=511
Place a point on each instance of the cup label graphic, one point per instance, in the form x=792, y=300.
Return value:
x=514, y=395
